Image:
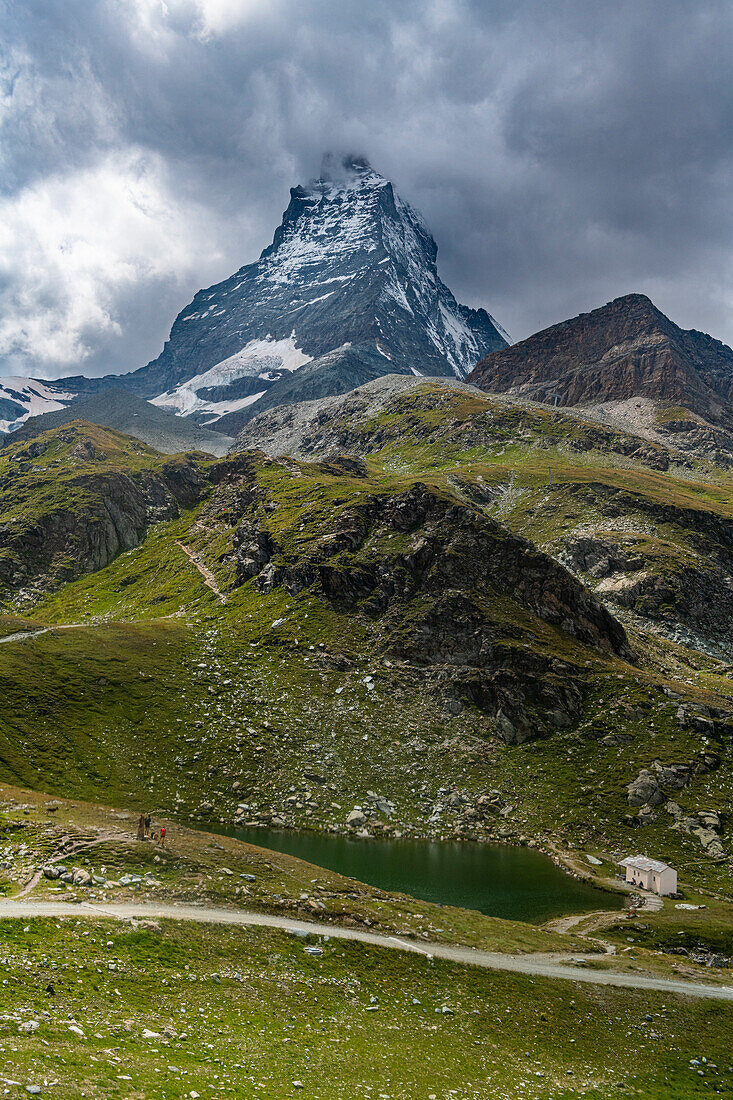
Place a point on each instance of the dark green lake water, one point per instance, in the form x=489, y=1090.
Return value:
x=515, y=883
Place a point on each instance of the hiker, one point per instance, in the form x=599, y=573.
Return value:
x=147, y=825
x=141, y=828
x=162, y=835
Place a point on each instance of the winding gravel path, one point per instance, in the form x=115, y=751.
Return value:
x=23, y=635
x=542, y=966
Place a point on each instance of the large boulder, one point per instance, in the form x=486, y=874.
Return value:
x=644, y=790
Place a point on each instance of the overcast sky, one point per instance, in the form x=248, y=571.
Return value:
x=562, y=153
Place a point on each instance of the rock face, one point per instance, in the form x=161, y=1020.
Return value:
x=446, y=589
x=625, y=348
x=348, y=290
x=683, y=590
x=55, y=528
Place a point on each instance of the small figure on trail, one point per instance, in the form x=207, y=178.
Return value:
x=162, y=835
x=141, y=828
x=147, y=824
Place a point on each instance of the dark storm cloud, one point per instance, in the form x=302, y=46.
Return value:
x=562, y=153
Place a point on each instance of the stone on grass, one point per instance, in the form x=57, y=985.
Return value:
x=644, y=790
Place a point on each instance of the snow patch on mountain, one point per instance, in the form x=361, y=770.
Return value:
x=24, y=397
x=264, y=359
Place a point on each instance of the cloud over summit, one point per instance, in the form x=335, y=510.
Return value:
x=561, y=154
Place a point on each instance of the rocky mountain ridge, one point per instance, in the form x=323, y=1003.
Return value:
x=623, y=350
x=351, y=266
x=122, y=411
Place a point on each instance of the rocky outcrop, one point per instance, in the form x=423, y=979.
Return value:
x=447, y=590
x=649, y=792
x=254, y=548
x=651, y=783
x=705, y=825
x=453, y=548
x=687, y=597
x=658, y=565
x=694, y=606
x=79, y=524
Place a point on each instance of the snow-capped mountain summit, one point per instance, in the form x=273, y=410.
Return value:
x=350, y=266
x=350, y=276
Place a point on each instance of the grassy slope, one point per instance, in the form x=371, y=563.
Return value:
x=48, y=474
x=179, y=698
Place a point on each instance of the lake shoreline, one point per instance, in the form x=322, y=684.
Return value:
x=358, y=857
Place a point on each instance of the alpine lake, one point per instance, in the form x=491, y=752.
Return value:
x=499, y=880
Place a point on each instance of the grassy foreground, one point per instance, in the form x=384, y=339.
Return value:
x=166, y=1010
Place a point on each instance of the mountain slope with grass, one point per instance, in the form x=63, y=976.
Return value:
x=72, y=499
x=362, y=645
x=639, y=522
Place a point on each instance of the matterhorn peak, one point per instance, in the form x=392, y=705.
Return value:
x=347, y=291
x=344, y=170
